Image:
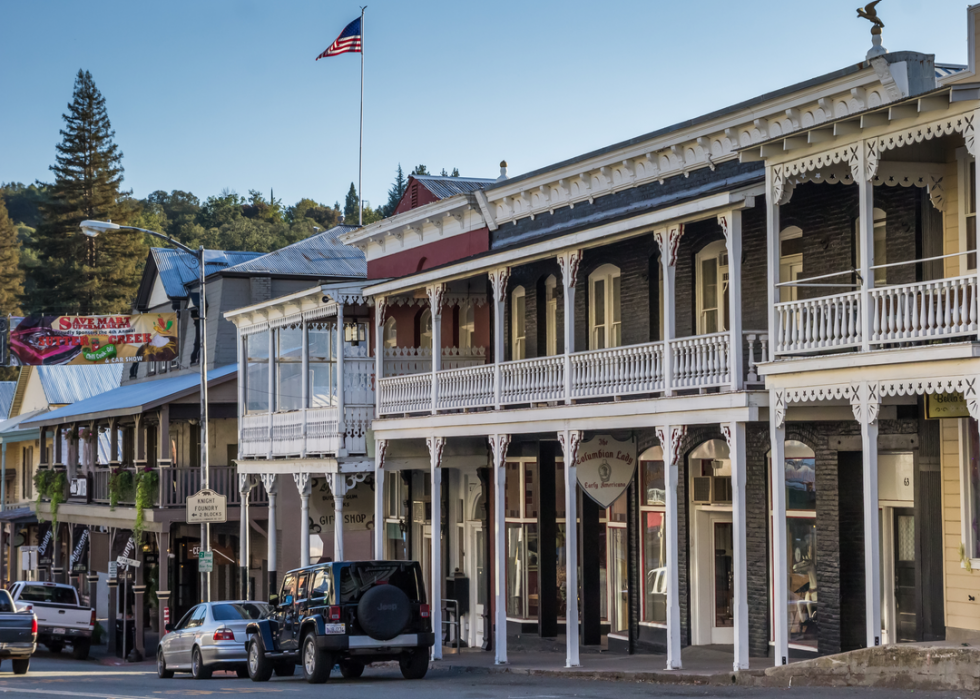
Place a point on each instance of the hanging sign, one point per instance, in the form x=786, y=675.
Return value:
x=87, y=340
x=940, y=405
x=45, y=544
x=605, y=468
x=358, y=510
x=207, y=506
x=78, y=561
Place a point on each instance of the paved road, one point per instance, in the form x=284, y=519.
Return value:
x=60, y=676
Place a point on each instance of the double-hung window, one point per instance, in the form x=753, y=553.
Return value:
x=289, y=368
x=518, y=318
x=323, y=364
x=257, y=372
x=712, y=288
x=604, y=308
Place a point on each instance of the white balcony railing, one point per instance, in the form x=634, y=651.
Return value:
x=400, y=361
x=829, y=322
x=698, y=363
x=305, y=432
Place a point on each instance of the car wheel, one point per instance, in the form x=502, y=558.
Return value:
x=414, y=665
x=259, y=666
x=162, y=672
x=79, y=651
x=55, y=647
x=21, y=665
x=242, y=672
x=285, y=669
x=351, y=669
x=316, y=665
x=199, y=671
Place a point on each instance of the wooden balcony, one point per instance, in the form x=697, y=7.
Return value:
x=314, y=431
x=176, y=484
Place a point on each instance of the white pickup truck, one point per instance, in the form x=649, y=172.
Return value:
x=61, y=619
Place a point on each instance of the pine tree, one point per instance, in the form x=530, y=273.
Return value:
x=395, y=193
x=351, y=206
x=78, y=274
x=11, y=273
x=420, y=170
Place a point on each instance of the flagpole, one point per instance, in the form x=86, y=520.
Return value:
x=360, y=148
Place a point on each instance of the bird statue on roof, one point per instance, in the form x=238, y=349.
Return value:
x=870, y=13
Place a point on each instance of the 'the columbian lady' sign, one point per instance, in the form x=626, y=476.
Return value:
x=605, y=468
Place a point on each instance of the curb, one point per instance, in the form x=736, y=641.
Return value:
x=754, y=678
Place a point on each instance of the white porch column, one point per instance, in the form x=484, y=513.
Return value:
x=570, y=441
x=245, y=486
x=338, y=489
x=272, y=385
x=670, y=441
x=735, y=436
x=380, y=307
x=731, y=226
x=773, y=194
x=302, y=481
x=341, y=422
x=777, y=487
x=865, y=406
x=436, y=445
x=569, y=261
x=867, y=166
x=305, y=380
x=380, y=447
x=498, y=445
x=498, y=279
x=668, y=239
x=270, y=483
x=436, y=293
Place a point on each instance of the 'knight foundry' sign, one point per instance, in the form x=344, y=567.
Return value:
x=605, y=468
x=206, y=506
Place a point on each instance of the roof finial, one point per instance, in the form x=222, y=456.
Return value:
x=503, y=170
x=871, y=14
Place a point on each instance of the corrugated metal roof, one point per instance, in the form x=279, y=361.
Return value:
x=13, y=424
x=7, y=389
x=69, y=384
x=946, y=69
x=177, y=269
x=320, y=255
x=445, y=187
x=131, y=396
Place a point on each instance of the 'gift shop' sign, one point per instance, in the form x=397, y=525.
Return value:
x=605, y=468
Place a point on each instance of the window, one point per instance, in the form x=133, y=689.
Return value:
x=604, y=308
x=517, y=324
x=289, y=368
x=322, y=584
x=653, y=536
x=970, y=489
x=27, y=473
x=712, y=288
x=288, y=589
x=790, y=261
x=197, y=618
x=467, y=325
x=551, y=316
x=425, y=329
x=968, y=215
x=323, y=366
x=257, y=372
x=390, y=334
x=238, y=612
x=879, y=254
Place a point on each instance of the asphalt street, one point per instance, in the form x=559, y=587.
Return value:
x=60, y=676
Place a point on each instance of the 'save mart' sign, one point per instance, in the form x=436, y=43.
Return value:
x=206, y=506
x=605, y=468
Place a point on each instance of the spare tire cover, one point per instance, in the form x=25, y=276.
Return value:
x=384, y=611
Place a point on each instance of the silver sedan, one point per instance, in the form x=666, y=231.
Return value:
x=210, y=637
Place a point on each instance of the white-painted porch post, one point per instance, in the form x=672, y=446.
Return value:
x=670, y=441
x=668, y=239
x=773, y=253
x=436, y=445
x=380, y=447
x=498, y=280
x=777, y=474
x=865, y=406
x=244, y=490
x=272, y=385
x=270, y=483
x=380, y=306
x=305, y=380
x=341, y=421
x=436, y=293
x=242, y=364
x=570, y=441
x=731, y=226
x=976, y=185
x=735, y=435
x=302, y=481
x=866, y=238
x=338, y=489
x=498, y=446
x=569, y=261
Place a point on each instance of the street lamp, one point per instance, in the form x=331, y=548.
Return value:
x=93, y=229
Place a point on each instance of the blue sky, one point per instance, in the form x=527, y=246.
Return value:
x=220, y=94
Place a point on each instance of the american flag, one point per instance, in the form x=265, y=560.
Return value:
x=349, y=41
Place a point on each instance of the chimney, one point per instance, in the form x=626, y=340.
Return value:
x=503, y=171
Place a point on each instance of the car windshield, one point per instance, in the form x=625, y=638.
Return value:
x=46, y=593
x=238, y=612
x=358, y=578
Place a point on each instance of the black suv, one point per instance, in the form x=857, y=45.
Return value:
x=352, y=614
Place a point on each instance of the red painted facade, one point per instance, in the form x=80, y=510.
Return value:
x=415, y=195
x=430, y=255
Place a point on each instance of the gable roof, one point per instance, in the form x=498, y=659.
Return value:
x=7, y=389
x=443, y=187
x=70, y=384
x=177, y=269
x=321, y=255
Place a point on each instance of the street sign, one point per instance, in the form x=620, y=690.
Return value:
x=123, y=561
x=206, y=506
x=113, y=568
x=205, y=562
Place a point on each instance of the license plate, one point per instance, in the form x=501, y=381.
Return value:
x=334, y=628
x=60, y=632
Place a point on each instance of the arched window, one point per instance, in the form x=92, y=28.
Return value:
x=605, y=329
x=425, y=329
x=467, y=325
x=517, y=324
x=879, y=255
x=390, y=334
x=790, y=261
x=712, y=288
x=551, y=315
x=653, y=554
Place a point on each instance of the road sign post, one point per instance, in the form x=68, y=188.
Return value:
x=205, y=562
x=205, y=507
